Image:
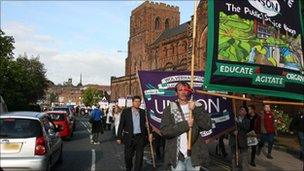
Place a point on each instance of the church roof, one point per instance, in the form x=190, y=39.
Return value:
x=168, y=33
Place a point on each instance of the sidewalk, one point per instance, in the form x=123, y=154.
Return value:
x=283, y=161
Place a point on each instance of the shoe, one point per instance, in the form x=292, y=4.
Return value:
x=252, y=164
x=269, y=156
x=97, y=142
x=92, y=142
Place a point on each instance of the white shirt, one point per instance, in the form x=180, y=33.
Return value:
x=183, y=137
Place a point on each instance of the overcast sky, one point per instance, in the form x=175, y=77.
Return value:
x=74, y=37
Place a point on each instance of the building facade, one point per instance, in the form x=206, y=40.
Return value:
x=159, y=42
x=67, y=93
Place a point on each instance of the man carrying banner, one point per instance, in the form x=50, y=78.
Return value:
x=174, y=126
x=240, y=135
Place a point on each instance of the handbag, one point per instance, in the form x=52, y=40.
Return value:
x=252, y=138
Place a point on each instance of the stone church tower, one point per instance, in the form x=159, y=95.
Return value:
x=158, y=41
x=147, y=22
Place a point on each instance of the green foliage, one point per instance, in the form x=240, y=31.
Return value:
x=282, y=120
x=23, y=80
x=7, y=47
x=91, y=96
x=235, y=38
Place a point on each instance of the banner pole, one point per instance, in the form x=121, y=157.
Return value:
x=192, y=73
x=236, y=136
x=223, y=95
x=150, y=142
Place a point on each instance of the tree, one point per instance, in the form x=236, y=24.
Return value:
x=91, y=96
x=23, y=80
x=7, y=46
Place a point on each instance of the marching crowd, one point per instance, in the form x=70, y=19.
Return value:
x=252, y=130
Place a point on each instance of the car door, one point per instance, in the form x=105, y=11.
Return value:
x=53, y=140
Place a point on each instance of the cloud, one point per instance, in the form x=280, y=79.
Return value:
x=96, y=66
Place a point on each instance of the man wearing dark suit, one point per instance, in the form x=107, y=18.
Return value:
x=132, y=131
x=240, y=133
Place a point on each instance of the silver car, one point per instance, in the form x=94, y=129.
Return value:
x=29, y=141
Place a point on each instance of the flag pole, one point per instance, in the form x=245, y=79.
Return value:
x=192, y=72
x=236, y=136
x=150, y=142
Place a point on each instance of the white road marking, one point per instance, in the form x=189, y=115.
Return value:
x=85, y=127
x=93, y=160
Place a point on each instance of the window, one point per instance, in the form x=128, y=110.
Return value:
x=157, y=23
x=19, y=128
x=167, y=25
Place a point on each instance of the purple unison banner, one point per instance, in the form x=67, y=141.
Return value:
x=158, y=90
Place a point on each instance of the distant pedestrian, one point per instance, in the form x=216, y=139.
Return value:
x=297, y=126
x=255, y=125
x=175, y=125
x=109, y=118
x=133, y=132
x=116, y=116
x=268, y=130
x=96, y=115
x=240, y=134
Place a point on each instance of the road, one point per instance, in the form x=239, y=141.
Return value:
x=80, y=155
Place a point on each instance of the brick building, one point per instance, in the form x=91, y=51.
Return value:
x=67, y=93
x=159, y=42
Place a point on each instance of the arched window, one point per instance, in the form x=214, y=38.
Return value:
x=167, y=25
x=183, y=64
x=169, y=66
x=157, y=23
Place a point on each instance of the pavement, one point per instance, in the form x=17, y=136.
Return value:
x=283, y=158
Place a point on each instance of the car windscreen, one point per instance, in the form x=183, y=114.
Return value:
x=19, y=128
x=56, y=116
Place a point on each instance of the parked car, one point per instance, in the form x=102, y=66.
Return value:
x=70, y=113
x=61, y=118
x=29, y=141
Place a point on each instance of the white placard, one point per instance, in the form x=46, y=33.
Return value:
x=121, y=102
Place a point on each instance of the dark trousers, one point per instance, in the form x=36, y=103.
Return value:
x=253, y=152
x=222, y=145
x=159, y=146
x=269, y=138
x=135, y=147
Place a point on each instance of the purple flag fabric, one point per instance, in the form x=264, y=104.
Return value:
x=158, y=90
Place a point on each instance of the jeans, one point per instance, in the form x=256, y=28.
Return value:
x=185, y=166
x=269, y=137
x=301, y=141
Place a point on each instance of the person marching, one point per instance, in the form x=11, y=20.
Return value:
x=240, y=135
x=174, y=126
x=96, y=115
x=132, y=132
x=268, y=130
x=254, y=126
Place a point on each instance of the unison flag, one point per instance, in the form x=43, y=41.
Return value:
x=158, y=90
